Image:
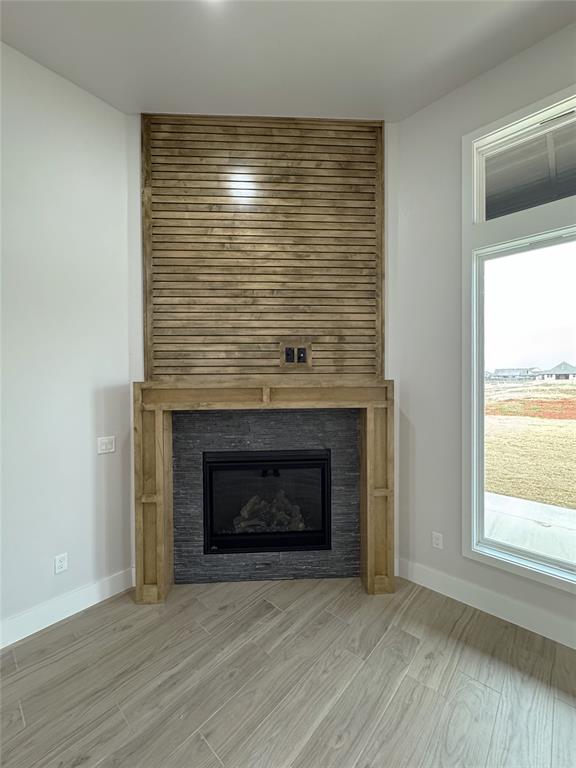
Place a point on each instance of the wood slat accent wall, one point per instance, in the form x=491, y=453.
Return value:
x=259, y=231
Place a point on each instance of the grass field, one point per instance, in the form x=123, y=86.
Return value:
x=530, y=441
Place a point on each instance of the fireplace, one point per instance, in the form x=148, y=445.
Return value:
x=175, y=424
x=266, y=501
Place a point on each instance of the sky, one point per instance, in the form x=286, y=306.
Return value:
x=530, y=308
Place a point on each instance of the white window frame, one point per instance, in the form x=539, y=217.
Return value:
x=481, y=239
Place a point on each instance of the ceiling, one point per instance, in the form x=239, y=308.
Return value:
x=326, y=58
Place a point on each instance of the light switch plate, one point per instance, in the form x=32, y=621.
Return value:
x=107, y=444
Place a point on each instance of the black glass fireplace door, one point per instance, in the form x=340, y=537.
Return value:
x=263, y=501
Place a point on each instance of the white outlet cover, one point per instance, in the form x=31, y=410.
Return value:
x=61, y=563
x=107, y=444
x=437, y=540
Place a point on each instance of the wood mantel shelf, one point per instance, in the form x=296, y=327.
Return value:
x=154, y=403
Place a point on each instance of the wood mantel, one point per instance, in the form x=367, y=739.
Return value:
x=154, y=403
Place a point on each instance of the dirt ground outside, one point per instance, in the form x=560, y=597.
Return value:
x=530, y=441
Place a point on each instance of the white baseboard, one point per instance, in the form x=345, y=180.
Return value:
x=538, y=620
x=23, y=624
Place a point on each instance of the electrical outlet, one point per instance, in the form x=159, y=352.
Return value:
x=107, y=444
x=295, y=354
x=437, y=540
x=61, y=563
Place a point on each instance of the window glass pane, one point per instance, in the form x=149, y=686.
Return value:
x=530, y=402
x=534, y=172
x=565, y=157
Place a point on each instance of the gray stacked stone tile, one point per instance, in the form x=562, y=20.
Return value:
x=199, y=431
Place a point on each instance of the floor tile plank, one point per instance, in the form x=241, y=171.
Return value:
x=284, y=593
x=82, y=699
x=253, y=703
x=221, y=601
x=402, y=735
x=84, y=746
x=11, y=720
x=564, y=735
x=523, y=732
x=277, y=741
x=419, y=610
x=349, y=724
x=151, y=699
x=462, y=737
x=368, y=616
x=485, y=650
x=72, y=631
x=564, y=674
x=121, y=665
x=291, y=621
x=82, y=657
x=440, y=650
x=7, y=663
x=158, y=736
x=194, y=753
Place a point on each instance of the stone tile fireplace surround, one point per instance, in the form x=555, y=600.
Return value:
x=195, y=432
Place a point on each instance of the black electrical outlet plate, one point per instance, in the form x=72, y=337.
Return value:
x=289, y=354
x=301, y=354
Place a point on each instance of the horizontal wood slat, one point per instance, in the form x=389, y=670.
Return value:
x=260, y=231
x=303, y=294
x=215, y=335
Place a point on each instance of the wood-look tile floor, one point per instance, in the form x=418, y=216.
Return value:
x=291, y=674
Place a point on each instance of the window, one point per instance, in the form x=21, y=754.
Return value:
x=519, y=344
x=527, y=164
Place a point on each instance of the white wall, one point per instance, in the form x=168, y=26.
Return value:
x=65, y=361
x=424, y=332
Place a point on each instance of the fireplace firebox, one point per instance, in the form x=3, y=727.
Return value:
x=266, y=501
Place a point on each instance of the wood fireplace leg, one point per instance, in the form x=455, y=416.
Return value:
x=377, y=499
x=168, y=502
x=153, y=502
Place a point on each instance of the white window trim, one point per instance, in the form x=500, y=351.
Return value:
x=480, y=238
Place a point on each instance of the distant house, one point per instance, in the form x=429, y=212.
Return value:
x=515, y=374
x=561, y=371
